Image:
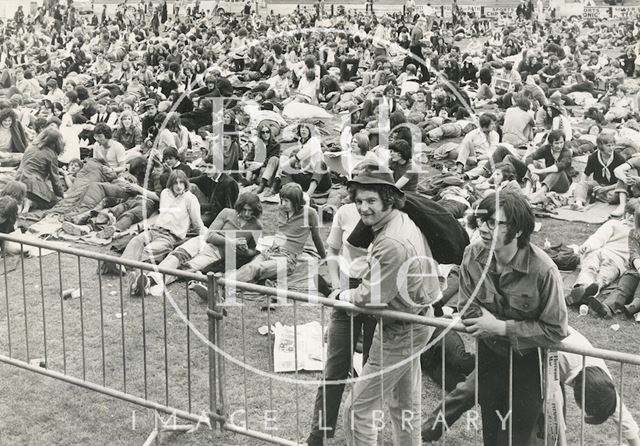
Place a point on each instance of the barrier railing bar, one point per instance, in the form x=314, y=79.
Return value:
x=475, y=393
x=101, y=389
x=64, y=347
x=44, y=316
x=271, y=365
x=295, y=362
x=442, y=387
x=152, y=438
x=352, y=369
x=124, y=349
x=583, y=391
x=166, y=347
x=510, y=413
x=24, y=302
x=259, y=435
x=244, y=361
x=381, y=323
x=454, y=324
x=213, y=289
x=84, y=368
x=620, y=403
x=222, y=362
x=6, y=298
x=186, y=286
x=132, y=264
x=101, y=297
x=322, y=417
x=144, y=340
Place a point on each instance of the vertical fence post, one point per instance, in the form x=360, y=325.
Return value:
x=443, y=387
x=212, y=290
x=24, y=303
x=44, y=316
x=510, y=413
x=6, y=298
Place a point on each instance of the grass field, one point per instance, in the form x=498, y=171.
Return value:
x=39, y=410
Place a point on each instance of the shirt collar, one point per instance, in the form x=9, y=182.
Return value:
x=382, y=223
x=520, y=261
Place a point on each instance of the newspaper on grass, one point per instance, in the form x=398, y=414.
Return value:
x=310, y=347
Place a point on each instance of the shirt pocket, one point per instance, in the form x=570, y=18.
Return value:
x=488, y=299
x=523, y=306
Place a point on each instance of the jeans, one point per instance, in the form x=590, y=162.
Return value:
x=458, y=362
x=393, y=343
x=93, y=194
x=151, y=245
x=598, y=267
x=493, y=395
x=557, y=182
x=266, y=265
x=338, y=367
x=132, y=211
x=627, y=292
x=456, y=403
x=585, y=188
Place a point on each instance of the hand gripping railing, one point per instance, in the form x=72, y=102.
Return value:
x=301, y=401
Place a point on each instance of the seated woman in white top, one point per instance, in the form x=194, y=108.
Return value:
x=179, y=210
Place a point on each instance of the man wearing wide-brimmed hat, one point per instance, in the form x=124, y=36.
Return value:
x=402, y=276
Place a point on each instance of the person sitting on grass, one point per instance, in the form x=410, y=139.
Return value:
x=17, y=191
x=626, y=297
x=214, y=189
x=296, y=222
x=603, y=258
x=39, y=170
x=599, y=176
x=108, y=149
x=304, y=166
x=400, y=163
x=171, y=158
x=179, y=210
x=557, y=159
x=478, y=144
x=234, y=231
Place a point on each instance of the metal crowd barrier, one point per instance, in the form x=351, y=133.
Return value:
x=140, y=346
x=66, y=320
x=294, y=301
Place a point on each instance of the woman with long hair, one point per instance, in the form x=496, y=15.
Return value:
x=39, y=170
x=271, y=154
x=127, y=133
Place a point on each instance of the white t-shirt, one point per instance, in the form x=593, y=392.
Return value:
x=114, y=155
x=353, y=260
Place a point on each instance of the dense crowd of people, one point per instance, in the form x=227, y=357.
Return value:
x=166, y=132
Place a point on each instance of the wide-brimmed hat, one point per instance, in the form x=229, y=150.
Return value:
x=379, y=176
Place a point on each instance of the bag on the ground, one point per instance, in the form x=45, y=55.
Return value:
x=564, y=258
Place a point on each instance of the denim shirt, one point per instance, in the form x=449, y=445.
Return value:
x=528, y=294
x=402, y=273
